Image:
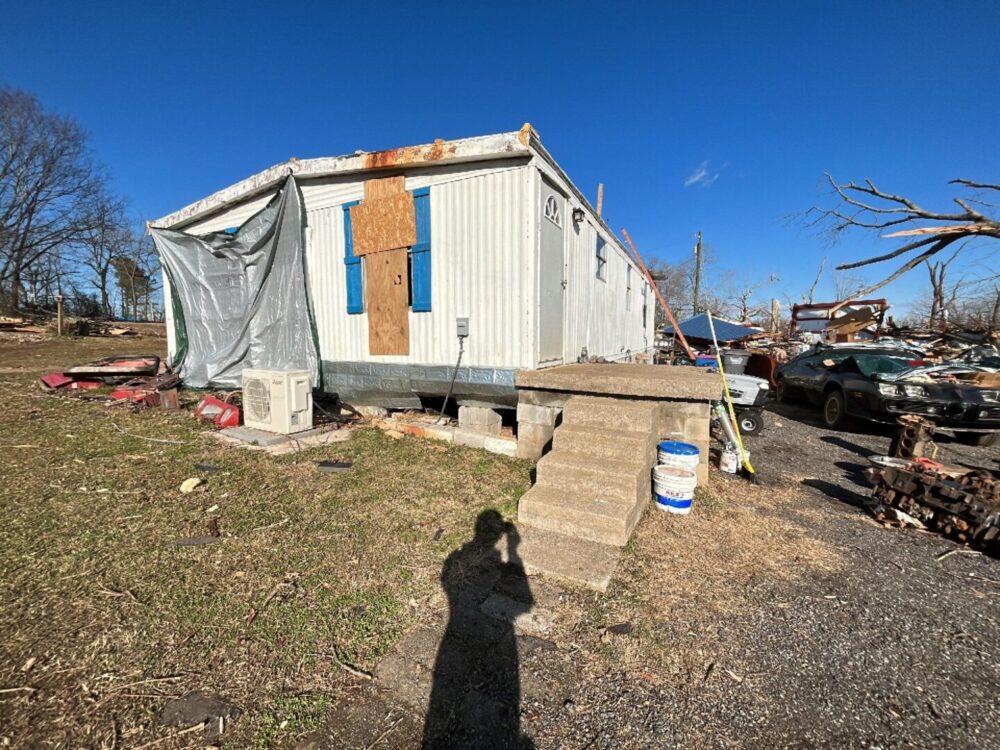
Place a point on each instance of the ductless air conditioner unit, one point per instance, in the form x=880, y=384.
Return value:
x=277, y=400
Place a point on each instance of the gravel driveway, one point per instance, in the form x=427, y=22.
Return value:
x=897, y=648
x=900, y=649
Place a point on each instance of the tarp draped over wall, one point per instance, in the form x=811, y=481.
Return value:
x=242, y=296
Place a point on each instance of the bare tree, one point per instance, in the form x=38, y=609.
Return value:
x=106, y=239
x=745, y=309
x=810, y=298
x=867, y=207
x=674, y=282
x=134, y=267
x=940, y=298
x=48, y=183
x=846, y=286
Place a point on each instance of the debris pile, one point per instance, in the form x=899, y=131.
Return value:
x=140, y=379
x=962, y=505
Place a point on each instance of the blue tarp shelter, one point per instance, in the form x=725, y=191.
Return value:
x=697, y=328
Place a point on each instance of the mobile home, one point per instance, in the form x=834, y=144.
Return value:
x=501, y=258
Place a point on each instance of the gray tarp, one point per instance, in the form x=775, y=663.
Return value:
x=241, y=300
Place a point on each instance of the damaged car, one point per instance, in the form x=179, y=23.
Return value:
x=882, y=384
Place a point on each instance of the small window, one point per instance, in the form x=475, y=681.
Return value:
x=628, y=288
x=602, y=259
x=552, y=211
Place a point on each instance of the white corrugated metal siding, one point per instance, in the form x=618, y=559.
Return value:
x=484, y=258
x=335, y=191
x=596, y=317
x=479, y=259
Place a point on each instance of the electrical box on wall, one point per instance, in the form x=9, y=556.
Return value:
x=462, y=324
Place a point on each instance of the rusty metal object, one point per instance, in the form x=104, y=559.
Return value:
x=395, y=157
x=914, y=438
x=964, y=506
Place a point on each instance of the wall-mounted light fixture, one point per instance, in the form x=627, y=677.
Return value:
x=577, y=215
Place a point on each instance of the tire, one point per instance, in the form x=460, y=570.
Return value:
x=750, y=422
x=835, y=410
x=983, y=439
x=781, y=392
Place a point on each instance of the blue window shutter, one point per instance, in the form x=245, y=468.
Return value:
x=352, y=263
x=421, y=252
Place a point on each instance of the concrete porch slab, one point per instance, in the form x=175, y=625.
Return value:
x=628, y=380
x=276, y=445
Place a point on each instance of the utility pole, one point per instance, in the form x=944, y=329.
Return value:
x=697, y=277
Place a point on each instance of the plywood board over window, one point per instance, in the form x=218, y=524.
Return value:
x=383, y=228
x=386, y=219
x=386, y=298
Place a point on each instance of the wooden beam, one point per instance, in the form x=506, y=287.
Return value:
x=659, y=297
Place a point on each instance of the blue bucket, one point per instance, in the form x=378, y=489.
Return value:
x=676, y=453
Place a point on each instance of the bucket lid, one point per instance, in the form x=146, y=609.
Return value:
x=675, y=448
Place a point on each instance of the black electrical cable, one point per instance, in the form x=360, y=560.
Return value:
x=454, y=375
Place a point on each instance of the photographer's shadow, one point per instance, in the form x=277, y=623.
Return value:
x=476, y=693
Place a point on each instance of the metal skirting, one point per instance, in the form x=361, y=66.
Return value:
x=400, y=386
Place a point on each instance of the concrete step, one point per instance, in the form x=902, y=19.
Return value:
x=580, y=561
x=602, y=521
x=589, y=477
x=611, y=413
x=600, y=443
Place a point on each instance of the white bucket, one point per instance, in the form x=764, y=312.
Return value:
x=674, y=488
x=729, y=459
x=675, y=453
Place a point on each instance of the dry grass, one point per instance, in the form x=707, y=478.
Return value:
x=683, y=576
x=117, y=619
x=113, y=619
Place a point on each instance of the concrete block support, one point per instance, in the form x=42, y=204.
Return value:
x=480, y=419
x=533, y=414
x=532, y=439
x=689, y=421
x=535, y=425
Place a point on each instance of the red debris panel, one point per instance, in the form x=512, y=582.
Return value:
x=146, y=391
x=138, y=376
x=130, y=365
x=56, y=381
x=222, y=413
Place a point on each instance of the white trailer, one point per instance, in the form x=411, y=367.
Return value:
x=505, y=243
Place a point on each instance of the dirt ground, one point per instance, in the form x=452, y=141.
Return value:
x=777, y=615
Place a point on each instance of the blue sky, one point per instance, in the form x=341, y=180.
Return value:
x=760, y=98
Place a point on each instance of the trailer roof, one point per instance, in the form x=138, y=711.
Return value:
x=523, y=142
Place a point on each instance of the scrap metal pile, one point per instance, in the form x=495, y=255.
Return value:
x=912, y=487
x=965, y=507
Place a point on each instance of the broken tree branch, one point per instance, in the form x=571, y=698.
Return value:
x=973, y=184
x=873, y=208
x=143, y=437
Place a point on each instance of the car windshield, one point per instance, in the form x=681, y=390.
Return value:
x=870, y=364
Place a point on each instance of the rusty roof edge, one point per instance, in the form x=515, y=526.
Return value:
x=478, y=148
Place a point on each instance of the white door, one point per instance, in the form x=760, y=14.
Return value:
x=551, y=290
